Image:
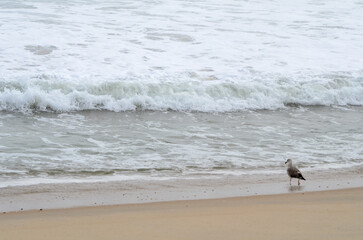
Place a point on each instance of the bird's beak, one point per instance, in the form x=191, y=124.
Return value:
x=285, y=162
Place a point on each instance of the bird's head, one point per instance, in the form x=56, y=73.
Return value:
x=288, y=161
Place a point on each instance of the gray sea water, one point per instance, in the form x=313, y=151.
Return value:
x=95, y=90
x=144, y=145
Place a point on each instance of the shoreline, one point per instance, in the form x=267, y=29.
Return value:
x=73, y=195
x=335, y=214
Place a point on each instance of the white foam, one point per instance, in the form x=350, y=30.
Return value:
x=202, y=56
x=205, y=96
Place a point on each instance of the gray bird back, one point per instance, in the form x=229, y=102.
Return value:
x=293, y=172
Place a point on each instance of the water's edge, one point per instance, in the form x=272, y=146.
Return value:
x=60, y=196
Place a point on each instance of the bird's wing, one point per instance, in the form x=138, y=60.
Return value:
x=294, y=172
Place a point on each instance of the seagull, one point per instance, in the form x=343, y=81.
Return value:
x=293, y=172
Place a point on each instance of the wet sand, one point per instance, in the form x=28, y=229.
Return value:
x=336, y=214
x=70, y=195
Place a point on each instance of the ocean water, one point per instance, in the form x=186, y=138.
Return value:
x=95, y=90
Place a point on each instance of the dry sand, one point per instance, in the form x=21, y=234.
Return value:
x=334, y=214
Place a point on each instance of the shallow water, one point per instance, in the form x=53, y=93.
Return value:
x=105, y=146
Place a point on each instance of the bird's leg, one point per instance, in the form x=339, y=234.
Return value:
x=290, y=181
x=298, y=182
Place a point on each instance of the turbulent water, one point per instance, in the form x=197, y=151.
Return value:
x=100, y=90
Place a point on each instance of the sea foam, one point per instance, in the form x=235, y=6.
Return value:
x=207, y=56
x=52, y=94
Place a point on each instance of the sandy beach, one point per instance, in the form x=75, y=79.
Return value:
x=335, y=214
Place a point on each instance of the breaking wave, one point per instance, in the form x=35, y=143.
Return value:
x=47, y=94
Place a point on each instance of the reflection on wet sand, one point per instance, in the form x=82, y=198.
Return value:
x=296, y=188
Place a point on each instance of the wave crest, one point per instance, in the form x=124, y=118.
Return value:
x=203, y=96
